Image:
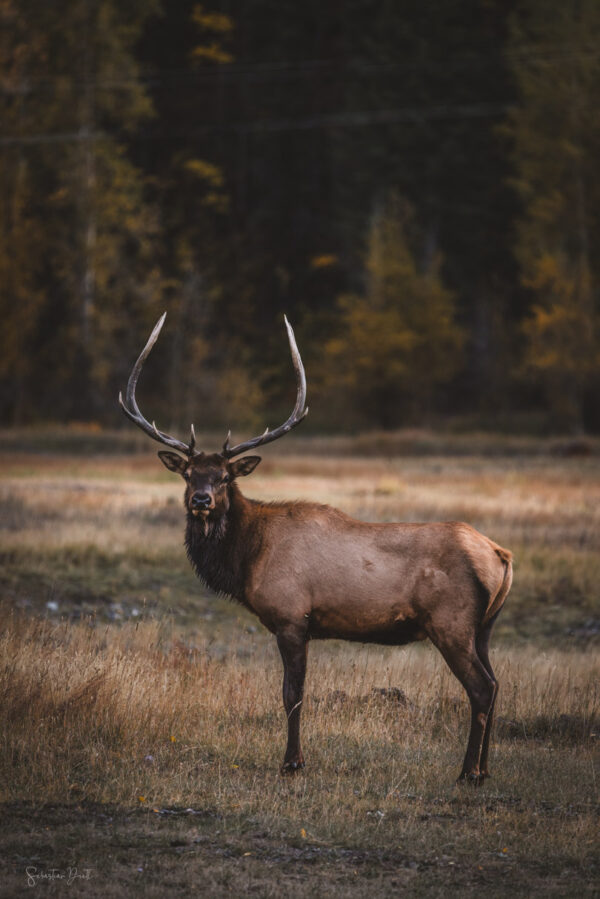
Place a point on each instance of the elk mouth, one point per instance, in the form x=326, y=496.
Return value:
x=203, y=512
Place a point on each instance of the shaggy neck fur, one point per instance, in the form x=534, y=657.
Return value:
x=220, y=548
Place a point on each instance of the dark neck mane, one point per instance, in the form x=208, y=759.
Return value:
x=220, y=549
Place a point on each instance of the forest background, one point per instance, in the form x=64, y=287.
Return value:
x=414, y=184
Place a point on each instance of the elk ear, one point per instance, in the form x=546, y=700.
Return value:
x=243, y=466
x=173, y=462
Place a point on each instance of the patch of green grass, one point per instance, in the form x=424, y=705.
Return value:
x=79, y=581
x=555, y=598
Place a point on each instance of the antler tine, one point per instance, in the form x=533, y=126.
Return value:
x=226, y=444
x=130, y=406
x=298, y=414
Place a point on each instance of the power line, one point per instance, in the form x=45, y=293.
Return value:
x=413, y=115
x=381, y=117
x=275, y=70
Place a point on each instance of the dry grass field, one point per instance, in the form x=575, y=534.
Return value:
x=142, y=726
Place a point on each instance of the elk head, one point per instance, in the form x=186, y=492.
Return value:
x=208, y=476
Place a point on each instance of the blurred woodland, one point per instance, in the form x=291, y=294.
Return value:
x=416, y=185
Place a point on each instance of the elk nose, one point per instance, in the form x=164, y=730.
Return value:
x=200, y=500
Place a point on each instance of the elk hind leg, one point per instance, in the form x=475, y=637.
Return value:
x=480, y=687
x=293, y=648
x=482, y=646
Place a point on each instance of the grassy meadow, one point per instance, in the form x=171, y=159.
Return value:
x=142, y=724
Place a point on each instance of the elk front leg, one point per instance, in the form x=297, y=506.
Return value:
x=293, y=648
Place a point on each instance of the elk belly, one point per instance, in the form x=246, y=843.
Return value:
x=393, y=628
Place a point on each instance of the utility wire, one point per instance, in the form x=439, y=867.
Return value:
x=334, y=120
x=275, y=71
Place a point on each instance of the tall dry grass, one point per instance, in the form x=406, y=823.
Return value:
x=134, y=715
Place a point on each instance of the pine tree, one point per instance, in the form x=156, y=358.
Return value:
x=556, y=132
x=74, y=203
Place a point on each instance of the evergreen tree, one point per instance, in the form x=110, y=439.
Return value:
x=556, y=132
x=73, y=201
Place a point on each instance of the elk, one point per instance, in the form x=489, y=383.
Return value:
x=311, y=572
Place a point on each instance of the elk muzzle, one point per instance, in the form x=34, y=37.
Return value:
x=201, y=503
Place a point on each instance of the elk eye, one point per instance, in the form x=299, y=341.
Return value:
x=186, y=476
x=226, y=479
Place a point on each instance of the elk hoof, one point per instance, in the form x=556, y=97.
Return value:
x=472, y=778
x=289, y=768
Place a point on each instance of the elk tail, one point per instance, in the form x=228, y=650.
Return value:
x=497, y=599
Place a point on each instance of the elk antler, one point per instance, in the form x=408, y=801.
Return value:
x=131, y=408
x=298, y=414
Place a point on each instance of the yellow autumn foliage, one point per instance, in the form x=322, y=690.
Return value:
x=399, y=339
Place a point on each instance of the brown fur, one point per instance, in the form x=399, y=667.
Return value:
x=309, y=571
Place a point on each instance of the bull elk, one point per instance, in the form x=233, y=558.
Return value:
x=311, y=572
